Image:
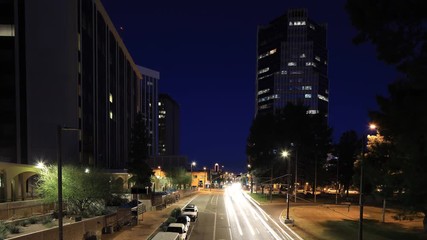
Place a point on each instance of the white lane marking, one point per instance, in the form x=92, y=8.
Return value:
x=214, y=231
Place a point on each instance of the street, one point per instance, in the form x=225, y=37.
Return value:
x=228, y=214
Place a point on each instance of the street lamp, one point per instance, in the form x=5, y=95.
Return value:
x=250, y=175
x=59, y=135
x=192, y=164
x=364, y=140
x=205, y=178
x=285, y=154
x=191, y=167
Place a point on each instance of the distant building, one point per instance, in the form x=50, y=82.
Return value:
x=64, y=64
x=168, y=126
x=147, y=104
x=292, y=60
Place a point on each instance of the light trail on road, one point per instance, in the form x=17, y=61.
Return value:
x=249, y=219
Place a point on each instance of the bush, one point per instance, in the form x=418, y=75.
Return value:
x=13, y=228
x=33, y=220
x=176, y=212
x=25, y=223
x=46, y=220
x=3, y=230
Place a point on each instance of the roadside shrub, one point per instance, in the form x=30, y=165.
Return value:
x=3, y=230
x=46, y=220
x=13, y=228
x=176, y=212
x=33, y=220
x=25, y=223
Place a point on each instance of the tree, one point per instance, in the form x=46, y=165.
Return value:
x=397, y=29
x=403, y=122
x=138, y=166
x=347, y=150
x=179, y=177
x=85, y=193
x=292, y=129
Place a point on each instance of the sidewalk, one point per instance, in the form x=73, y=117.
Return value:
x=150, y=224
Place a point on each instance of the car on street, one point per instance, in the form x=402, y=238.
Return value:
x=166, y=236
x=192, y=206
x=178, y=228
x=184, y=220
x=191, y=212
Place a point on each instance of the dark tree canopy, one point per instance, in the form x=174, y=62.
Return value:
x=139, y=154
x=397, y=28
x=348, y=148
x=290, y=129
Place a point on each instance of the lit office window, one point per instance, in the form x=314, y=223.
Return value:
x=292, y=64
x=307, y=95
x=7, y=30
x=317, y=58
x=111, y=114
x=321, y=97
x=272, y=51
x=312, y=111
x=264, y=70
x=263, y=91
x=297, y=23
x=111, y=98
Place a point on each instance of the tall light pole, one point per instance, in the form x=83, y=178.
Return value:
x=364, y=140
x=191, y=167
x=59, y=135
x=250, y=175
x=336, y=184
x=205, y=178
x=296, y=172
x=285, y=154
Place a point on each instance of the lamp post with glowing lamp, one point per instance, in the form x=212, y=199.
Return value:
x=250, y=175
x=285, y=154
x=191, y=168
x=372, y=127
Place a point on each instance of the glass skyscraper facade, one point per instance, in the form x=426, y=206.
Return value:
x=292, y=59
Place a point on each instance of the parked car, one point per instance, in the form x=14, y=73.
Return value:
x=184, y=220
x=166, y=236
x=192, y=213
x=191, y=206
x=178, y=228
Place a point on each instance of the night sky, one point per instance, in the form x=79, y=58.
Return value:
x=205, y=52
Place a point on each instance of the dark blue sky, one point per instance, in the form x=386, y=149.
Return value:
x=205, y=52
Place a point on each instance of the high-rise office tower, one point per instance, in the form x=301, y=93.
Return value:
x=292, y=60
x=168, y=125
x=62, y=63
x=148, y=105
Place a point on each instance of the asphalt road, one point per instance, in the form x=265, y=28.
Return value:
x=228, y=214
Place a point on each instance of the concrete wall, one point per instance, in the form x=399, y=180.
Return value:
x=21, y=209
x=72, y=231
